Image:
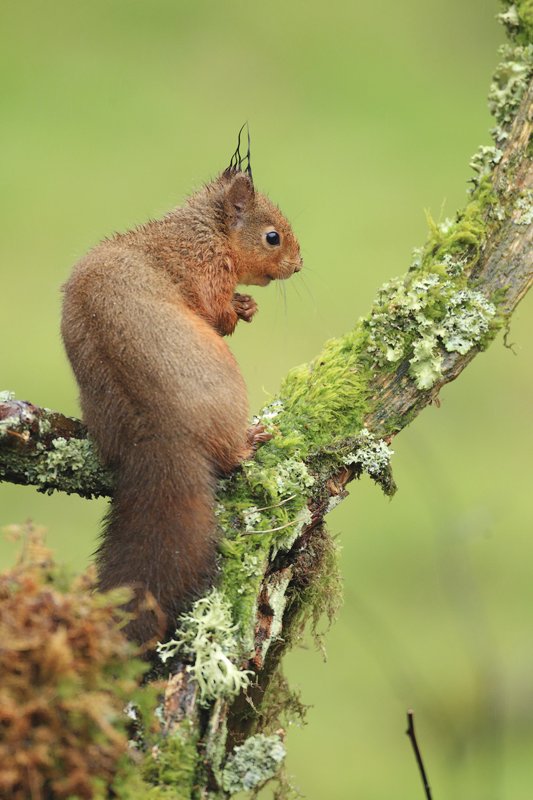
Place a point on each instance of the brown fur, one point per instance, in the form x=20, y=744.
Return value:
x=143, y=318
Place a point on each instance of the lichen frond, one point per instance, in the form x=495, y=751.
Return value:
x=206, y=636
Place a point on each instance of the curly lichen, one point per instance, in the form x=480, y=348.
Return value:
x=253, y=763
x=207, y=636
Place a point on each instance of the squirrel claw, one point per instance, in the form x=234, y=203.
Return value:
x=258, y=435
x=244, y=305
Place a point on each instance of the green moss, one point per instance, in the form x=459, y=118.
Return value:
x=330, y=393
x=318, y=592
x=170, y=766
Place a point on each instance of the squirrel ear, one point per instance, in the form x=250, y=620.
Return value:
x=239, y=196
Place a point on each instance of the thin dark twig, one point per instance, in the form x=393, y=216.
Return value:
x=412, y=736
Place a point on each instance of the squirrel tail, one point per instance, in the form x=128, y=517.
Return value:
x=159, y=535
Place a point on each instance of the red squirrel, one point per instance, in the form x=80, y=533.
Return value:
x=162, y=396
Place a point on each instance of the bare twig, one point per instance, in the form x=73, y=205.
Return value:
x=412, y=736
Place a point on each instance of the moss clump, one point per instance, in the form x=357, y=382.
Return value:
x=330, y=393
x=67, y=673
x=170, y=767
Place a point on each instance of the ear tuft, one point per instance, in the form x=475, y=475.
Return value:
x=239, y=196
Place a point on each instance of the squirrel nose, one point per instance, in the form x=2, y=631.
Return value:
x=299, y=265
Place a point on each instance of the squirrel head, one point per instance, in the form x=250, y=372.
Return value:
x=263, y=246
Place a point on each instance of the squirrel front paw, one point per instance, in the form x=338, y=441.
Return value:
x=244, y=305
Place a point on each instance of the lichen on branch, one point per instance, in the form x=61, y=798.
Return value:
x=332, y=421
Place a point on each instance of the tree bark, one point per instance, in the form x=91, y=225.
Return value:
x=276, y=567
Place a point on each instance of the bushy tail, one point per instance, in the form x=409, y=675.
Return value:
x=159, y=535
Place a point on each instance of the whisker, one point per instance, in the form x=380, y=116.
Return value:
x=308, y=290
x=295, y=287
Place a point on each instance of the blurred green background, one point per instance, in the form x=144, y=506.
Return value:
x=362, y=116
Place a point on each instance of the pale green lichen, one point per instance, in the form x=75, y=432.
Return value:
x=290, y=476
x=269, y=412
x=6, y=396
x=67, y=465
x=508, y=86
x=426, y=362
x=372, y=455
x=252, y=764
x=71, y=465
x=66, y=456
x=467, y=321
x=510, y=19
x=45, y=426
x=207, y=636
x=334, y=501
x=483, y=162
x=414, y=318
x=524, y=207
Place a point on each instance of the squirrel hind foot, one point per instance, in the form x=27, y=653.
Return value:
x=257, y=435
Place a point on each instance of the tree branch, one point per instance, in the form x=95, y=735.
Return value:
x=332, y=420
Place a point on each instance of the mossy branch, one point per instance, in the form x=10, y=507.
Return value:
x=333, y=420
x=53, y=452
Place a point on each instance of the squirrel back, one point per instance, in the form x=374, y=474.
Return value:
x=144, y=314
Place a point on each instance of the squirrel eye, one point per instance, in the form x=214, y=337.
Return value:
x=272, y=237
